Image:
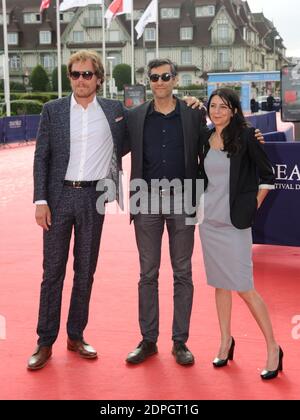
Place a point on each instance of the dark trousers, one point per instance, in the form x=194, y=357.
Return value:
x=76, y=210
x=149, y=230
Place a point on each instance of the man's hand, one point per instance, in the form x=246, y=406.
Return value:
x=43, y=216
x=259, y=136
x=193, y=102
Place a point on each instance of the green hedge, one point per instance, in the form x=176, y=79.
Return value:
x=20, y=107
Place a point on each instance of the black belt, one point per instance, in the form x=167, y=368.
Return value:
x=80, y=184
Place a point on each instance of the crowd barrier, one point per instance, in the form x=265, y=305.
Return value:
x=277, y=221
x=19, y=128
x=266, y=122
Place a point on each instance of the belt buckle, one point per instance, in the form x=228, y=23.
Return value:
x=76, y=184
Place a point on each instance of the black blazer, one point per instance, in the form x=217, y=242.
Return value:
x=248, y=169
x=195, y=134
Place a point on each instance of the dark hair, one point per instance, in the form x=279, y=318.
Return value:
x=157, y=62
x=231, y=133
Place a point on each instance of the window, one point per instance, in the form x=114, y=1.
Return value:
x=186, y=80
x=114, y=36
x=32, y=18
x=66, y=16
x=186, y=57
x=170, y=13
x=78, y=36
x=45, y=37
x=117, y=57
x=223, y=32
x=48, y=61
x=94, y=18
x=205, y=11
x=12, y=38
x=223, y=59
x=186, y=34
x=150, y=55
x=1, y=19
x=14, y=62
x=150, y=34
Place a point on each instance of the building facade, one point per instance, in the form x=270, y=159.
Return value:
x=199, y=35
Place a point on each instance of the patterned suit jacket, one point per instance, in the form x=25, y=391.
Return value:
x=52, y=152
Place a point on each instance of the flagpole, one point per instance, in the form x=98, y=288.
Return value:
x=58, y=50
x=103, y=47
x=132, y=45
x=5, y=64
x=157, y=30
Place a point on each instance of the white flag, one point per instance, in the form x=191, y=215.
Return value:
x=117, y=7
x=69, y=4
x=149, y=16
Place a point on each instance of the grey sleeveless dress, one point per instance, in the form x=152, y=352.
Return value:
x=227, y=251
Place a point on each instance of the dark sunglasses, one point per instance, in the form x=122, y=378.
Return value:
x=165, y=77
x=87, y=75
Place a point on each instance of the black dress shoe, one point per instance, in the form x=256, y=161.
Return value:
x=218, y=363
x=143, y=350
x=271, y=374
x=182, y=354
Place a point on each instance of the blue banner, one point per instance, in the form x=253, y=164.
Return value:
x=277, y=221
x=14, y=128
x=32, y=125
x=1, y=131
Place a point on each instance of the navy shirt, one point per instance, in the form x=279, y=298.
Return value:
x=163, y=146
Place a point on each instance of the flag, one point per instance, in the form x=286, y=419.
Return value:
x=44, y=5
x=149, y=16
x=117, y=7
x=69, y=4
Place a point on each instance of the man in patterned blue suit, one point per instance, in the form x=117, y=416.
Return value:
x=79, y=142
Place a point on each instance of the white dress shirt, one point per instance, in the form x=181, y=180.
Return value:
x=91, y=143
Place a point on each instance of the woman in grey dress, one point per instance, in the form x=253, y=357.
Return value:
x=230, y=162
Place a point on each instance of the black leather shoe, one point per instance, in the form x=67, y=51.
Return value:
x=271, y=374
x=143, y=350
x=218, y=363
x=182, y=354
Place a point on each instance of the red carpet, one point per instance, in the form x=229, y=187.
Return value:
x=113, y=326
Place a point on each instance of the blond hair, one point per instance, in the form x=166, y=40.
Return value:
x=84, y=55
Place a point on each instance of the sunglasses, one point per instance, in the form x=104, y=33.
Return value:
x=165, y=77
x=87, y=75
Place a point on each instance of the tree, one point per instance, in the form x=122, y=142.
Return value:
x=39, y=79
x=122, y=75
x=66, y=87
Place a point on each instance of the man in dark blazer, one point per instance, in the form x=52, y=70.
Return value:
x=165, y=140
x=79, y=142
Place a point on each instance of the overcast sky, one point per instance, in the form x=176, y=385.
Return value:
x=285, y=14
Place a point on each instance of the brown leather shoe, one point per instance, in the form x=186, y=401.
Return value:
x=40, y=358
x=82, y=348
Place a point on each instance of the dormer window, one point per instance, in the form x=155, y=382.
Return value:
x=205, y=11
x=186, y=33
x=170, y=13
x=32, y=17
